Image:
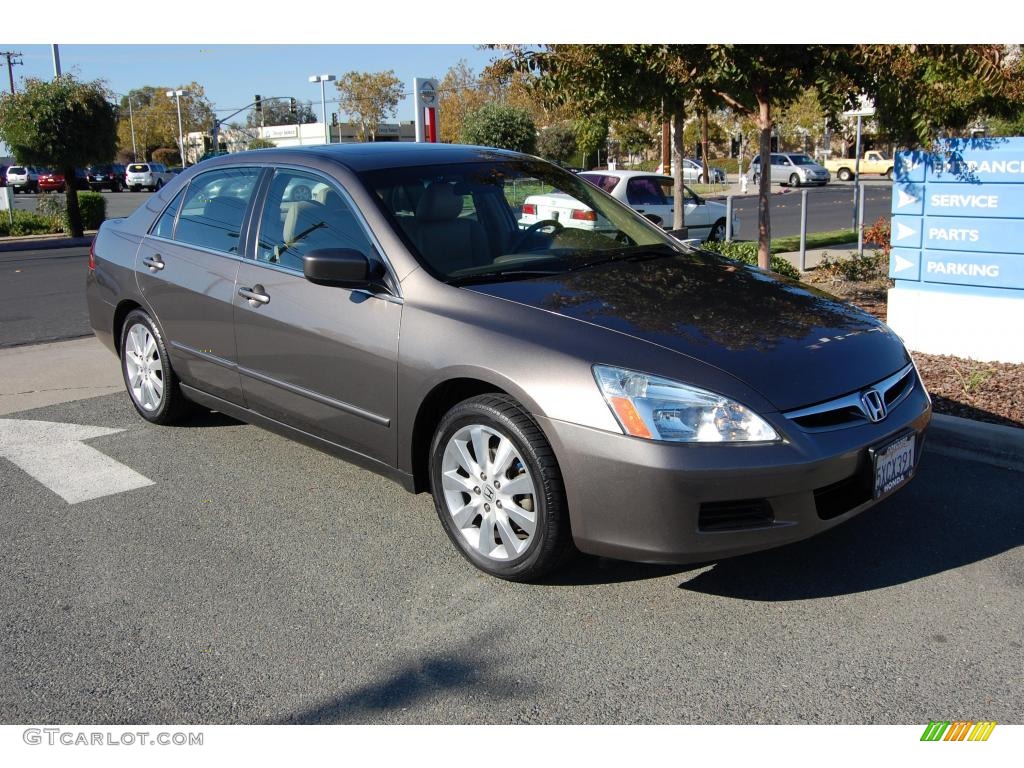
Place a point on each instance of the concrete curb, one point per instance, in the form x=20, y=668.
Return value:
x=978, y=441
x=44, y=242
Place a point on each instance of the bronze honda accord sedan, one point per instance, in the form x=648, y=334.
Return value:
x=556, y=380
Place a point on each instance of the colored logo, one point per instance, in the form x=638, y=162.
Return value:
x=958, y=730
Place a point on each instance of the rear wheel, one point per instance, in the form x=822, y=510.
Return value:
x=845, y=174
x=888, y=174
x=151, y=382
x=498, y=490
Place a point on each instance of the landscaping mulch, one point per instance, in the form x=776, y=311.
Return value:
x=984, y=391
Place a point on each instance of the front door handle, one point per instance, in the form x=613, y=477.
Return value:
x=256, y=295
x=155, y=263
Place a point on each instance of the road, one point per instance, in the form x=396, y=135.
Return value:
x=828, y=208
x=42, y=295
x=259, y=581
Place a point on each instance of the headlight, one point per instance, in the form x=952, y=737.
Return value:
x=661, y=409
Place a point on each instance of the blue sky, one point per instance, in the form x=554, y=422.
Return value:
x=233, y=73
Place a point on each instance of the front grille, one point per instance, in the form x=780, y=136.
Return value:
x=848, y=411
x=735, y=515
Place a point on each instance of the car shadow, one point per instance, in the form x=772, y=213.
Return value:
x=203, y=417
x=953, y=513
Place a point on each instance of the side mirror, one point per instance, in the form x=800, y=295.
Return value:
x=345, y=267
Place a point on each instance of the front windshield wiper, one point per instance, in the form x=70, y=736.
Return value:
x=499, y=275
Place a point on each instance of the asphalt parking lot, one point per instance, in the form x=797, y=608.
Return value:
x=256, y=580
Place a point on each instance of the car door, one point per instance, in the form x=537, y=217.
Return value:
x=186, y=269
x=781, y=169
x=319, y=358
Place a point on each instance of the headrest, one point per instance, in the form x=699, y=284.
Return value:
x=439, y=203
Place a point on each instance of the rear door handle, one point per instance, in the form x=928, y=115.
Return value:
x=155, y=263
x=255, y=295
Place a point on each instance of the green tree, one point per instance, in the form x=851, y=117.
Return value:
x=498, y=125
x=458, y=94
x=278, y=112
x=557, y=143
x=258, y=143
x=591, y=136
x=634, y=136
x=155, y=117
x=369, y=98
x=62, y=123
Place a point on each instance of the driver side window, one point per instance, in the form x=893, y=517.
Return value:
x=303, y=213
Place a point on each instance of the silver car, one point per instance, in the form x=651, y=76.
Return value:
x=793, y=168
x=611, y=390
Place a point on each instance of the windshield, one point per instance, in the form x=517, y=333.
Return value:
x=508, y=219
x=801, y=160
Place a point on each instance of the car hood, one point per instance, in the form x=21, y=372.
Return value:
x=795, y=345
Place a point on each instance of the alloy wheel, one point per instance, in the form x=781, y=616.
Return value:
x=489, y=492
x=144, y=367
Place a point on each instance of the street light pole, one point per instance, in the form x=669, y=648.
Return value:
x=181, y=137
x=131, y=121
x=323, y=79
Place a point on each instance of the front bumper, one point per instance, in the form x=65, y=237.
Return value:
x=643, y=500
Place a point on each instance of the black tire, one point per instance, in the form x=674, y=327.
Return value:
x=551, y=543
x=845, y=174
x=159, y=186
x=794, y=180
x=757, y=179
x=888, y=174
x=700, y=179
x=717, y=233
x=173, y=406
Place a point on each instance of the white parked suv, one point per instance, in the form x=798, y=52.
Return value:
x=23, y=178
x=151, y=176
x=646, y=193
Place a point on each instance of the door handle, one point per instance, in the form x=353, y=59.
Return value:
x=155, y=263
x=255, y=295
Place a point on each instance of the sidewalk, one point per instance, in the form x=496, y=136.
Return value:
x=34, y=376
x=815, y=256
x=42, y=242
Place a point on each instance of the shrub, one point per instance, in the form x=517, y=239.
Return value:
x=879, y=234
x=26, y=223
x=856, y=268
x=746, y=251
x=91, y=205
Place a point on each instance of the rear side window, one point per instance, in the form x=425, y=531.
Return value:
x=644, y=190
x=302, y=213
x=165, y=224
x=601, y=181
x=214, y=208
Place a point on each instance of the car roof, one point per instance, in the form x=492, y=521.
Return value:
x=373, y=155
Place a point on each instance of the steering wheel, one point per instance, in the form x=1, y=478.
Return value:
x=535, y=227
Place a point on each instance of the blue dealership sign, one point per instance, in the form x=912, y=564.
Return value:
x=958, y=214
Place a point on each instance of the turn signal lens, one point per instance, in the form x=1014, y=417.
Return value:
x=628, y=417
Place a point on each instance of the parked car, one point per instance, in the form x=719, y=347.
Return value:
x=3, y=175
x=646, y=193
x=23, y=178
x=151, y=176
x=693, y=172
x=107, y=176
x=615, y=389
x=51, y=180
x=793, y=168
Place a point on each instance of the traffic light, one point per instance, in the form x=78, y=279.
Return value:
x=259, y=103
x=291, y=106
x=334, y=118
x=734, y=147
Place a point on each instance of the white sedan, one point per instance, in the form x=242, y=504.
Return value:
x=646, y=193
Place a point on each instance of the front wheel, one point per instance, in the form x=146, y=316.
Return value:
x=498, y=489
x=717, y=234
x=794, y=180
x=151, y=382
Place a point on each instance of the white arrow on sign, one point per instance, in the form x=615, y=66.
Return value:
x=54, y=454
x=903, y=231
x=903, y=199
x=901, y=263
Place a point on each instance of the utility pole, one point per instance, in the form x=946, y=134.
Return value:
x=11, y=57
x=56, y=60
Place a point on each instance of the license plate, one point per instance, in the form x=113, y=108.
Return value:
x=894, y=464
